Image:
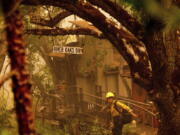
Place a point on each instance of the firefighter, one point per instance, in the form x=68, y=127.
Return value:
x=116, y=109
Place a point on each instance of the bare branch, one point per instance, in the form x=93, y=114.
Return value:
x=52, y=22
x=62, y=31
x=121, y=15
x=110, y=7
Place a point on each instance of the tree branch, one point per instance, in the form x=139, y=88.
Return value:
x=52, y=22
x=132, y=50
x=121, y=15
x=110, y=7
x=62, y=31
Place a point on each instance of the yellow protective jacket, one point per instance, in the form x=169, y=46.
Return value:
x=120, y=107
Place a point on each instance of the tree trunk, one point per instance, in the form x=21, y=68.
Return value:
x=21, y=84
x=169, y=112
x=163, y=51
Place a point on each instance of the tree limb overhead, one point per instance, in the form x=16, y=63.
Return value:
x=63, y=31
x=132, y=50
x=121, y=15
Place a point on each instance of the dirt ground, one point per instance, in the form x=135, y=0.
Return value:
x=146, y=130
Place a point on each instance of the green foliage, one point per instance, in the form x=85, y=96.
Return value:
x=130, y=129
x=4, y=119
x=8, y=132
x=93, y=129
x=136, y=4
x=4, y=114
x=48, y=129
x=38, y=65
x=172, y=20
x=169, y=15
x=133, y=7
x=5, y=132
x=97, y=130
x=8, y=123
x=164, y=11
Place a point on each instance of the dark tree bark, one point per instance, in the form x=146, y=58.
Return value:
x=163, y=51
x=121, y=15
x=20, y=80
x=61, y=31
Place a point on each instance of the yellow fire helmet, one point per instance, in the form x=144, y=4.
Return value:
x=109, y=94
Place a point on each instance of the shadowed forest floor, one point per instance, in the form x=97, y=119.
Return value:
x=86, y=129
x=140, y=129
x=146, y=130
